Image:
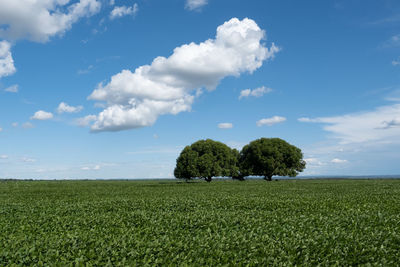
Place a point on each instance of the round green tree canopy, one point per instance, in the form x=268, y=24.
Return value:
x=271, y=156
x=206, y=159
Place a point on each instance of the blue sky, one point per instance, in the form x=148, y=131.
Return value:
x=115, y=89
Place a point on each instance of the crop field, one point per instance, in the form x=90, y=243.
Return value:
x=289, y=222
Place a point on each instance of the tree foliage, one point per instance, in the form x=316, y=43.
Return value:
x=206, y=159
x=271, y=156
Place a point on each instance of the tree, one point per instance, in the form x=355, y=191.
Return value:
x=206, y=159
x=271, y=156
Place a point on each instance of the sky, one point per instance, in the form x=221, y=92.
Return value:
x=116, y=89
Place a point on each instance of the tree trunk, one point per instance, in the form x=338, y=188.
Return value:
x=208, y=179
x=240, y=178
x=268, y=178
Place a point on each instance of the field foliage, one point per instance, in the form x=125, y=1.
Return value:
x=328, y=222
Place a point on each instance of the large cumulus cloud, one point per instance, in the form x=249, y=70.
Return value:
x=167, y=86
x=38, y=20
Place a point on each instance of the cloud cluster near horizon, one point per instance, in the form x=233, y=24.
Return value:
x=381, y=124
x=166, y=86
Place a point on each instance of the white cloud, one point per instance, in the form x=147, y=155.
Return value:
x=14, y=124
x=396, y=62
x=225, y=125
x=26, y=159
x=27, y=125
x=37, y=20
x=40, y=20
x=85, y=121
x=91, y=168
x=12, y=89
x=390, y=124
x=3, y=156
x=42, y=115
x=258, y=92
x=1, y=129
x=85, y=71
x=121, y=11
x=136, y=99
x=306, y=119
x=6, y=61
x=65, y=108
x=393, y=41
x=339, y=161
x=392, y=19
x=381, y=124
x=313, y=161
x=195, y=4
x=111, y=2
x=393, y=96
x=270, y=121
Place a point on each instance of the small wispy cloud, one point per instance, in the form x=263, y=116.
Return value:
x=121, y=11
x=195, y=4
x=339, y=161
x=393, y=95
x=85, y=71
x=3, y=156
x=12, y=89
x=306, y=119
x=388, y=20
x=28, y=160
x=225, y=125
x=393, y=41
x=313, y=161
x=85, y=121
x=27, y=125
x=270, y=121
x=258, y=92
x=65, y=108
x=42, y=115
x=91, y=168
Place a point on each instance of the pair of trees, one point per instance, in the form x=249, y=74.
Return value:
x=262, y=157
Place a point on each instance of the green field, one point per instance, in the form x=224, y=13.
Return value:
x=328, y=222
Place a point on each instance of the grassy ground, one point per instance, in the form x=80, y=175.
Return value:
x=328, y=222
